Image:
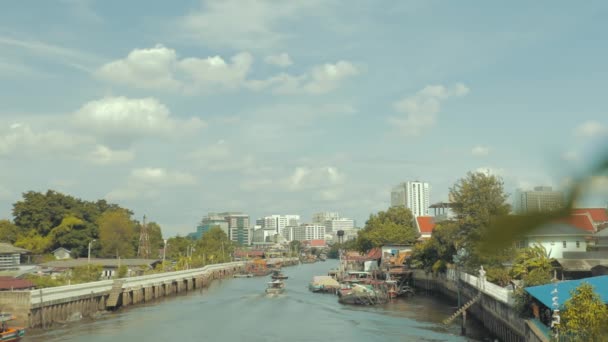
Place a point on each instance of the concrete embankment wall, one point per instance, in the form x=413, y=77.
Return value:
x=45, y=307
x=494, y=309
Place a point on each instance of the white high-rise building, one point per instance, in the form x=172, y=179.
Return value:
x=412, y=195
x=338, y=224
x=307, y=232
x=278, y=222
x=324, y=216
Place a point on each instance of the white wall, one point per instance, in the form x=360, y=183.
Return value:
x=555, y=244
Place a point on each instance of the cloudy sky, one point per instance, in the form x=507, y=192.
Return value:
x=175, y=109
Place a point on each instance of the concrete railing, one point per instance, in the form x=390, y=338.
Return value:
x=499, y=293
x=60, y=293
x=51, y=294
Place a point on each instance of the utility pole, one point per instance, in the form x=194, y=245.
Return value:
x=89, y=254
x=164, y=253
x=143, y=251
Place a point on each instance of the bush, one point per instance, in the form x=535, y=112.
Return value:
x=498, y=275
x=439, y=266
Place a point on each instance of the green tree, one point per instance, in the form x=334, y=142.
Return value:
x=585, y=316
x=116, y=233
x=214, y=246
x=85, y=274
x=530, y=259
x=295, y=247
x=155, y=237
x=122, y=271
x=177, y=247
x=479, y=198
x=8, y=232
x=396, y=225
x=441, y=246
x=34, y=242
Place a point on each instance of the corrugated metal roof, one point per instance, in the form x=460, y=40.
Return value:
x=558, y=229
x=69, y=263
x=7, y=248
x=543, y=292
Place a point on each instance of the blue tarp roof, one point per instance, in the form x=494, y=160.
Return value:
x=543, y=292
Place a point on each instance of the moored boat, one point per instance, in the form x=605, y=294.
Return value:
x=278, y=275
x=275, y=287
x=362, y=295
x=324, y=284
x=10, y=333
x=247, y=275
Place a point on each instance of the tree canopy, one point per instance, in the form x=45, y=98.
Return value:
x=116, y=233
x=396, y=225
x=46, y=221
x=585, y=316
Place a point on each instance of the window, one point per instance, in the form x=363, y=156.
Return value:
x=552, y=243
x=564, y=243
x=578, y=244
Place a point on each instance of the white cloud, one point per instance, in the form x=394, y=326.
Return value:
x=125, y=118
x=480, y=151
x=160, y=68
x=66, y=56
x=162, y=177
x=21, y=139
x=212, y=72
x=591, y=129
x=320, y=79
x=242, y=24
x=143, y=68
x=421, y=109
x=491, y=171
x=305, y=178
x=282, y=60
x=105, y=155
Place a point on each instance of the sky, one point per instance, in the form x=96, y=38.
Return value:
x=177, y=109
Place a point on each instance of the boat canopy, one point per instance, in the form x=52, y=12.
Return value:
x=5, y=317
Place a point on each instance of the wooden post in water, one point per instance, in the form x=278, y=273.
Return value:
x=463, y=327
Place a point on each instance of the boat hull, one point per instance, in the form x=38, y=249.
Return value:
x=12, y=334
x=274, y=291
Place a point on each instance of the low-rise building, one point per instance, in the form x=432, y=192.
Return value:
x=10, y=256
x=598, y=216
x=12, y=284
x=62, y=253
x=425, y=226
x=557, y=238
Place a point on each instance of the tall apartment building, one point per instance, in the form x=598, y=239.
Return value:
x=324, y=216
x=210, y=221
x=307, y=232
x=412, y=195
x=541, y=199
x=238, y=225
x=278, y=222
x=334, y=225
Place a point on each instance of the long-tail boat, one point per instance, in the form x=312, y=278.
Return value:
x=9, y=333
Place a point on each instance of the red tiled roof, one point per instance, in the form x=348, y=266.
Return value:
x=425, y=224
x=318, y=243
x=8, y=283
x=580, y=221
x=597, y=214
x=239, y=254
x=374, y=253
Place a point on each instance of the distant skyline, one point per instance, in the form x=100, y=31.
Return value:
x=178, y=109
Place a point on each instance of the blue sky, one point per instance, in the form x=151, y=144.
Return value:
x=178, y=109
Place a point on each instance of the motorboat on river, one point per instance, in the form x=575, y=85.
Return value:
x=9, y=333
x=278, y=275
x=275, y=287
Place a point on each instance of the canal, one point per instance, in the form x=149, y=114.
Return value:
x=239, y=310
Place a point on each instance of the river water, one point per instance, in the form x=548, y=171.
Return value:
x=239, y=310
